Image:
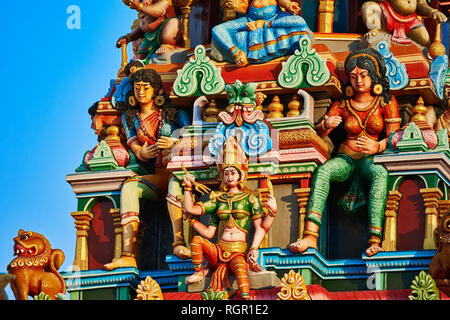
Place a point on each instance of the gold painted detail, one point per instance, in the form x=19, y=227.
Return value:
x=149, y=289
x=293, y=287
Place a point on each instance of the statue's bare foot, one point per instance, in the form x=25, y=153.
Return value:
x=182, y=252
x=373, y=250
x=123, y=262
x=303, y=244
x=240, y=58
x=164, y=49
x=196, y=277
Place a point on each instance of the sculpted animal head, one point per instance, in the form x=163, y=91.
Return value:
x=28, y=243
x=241, y=94
x=242, y=102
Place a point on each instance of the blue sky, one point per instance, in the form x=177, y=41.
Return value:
x=51, y=75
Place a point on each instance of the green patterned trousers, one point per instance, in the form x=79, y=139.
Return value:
x=340, y=169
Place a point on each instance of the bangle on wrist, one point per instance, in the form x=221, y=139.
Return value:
x=188, y=189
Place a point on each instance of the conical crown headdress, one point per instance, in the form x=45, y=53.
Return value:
x=232, y=155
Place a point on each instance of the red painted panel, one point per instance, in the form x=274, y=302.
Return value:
x=411, y=216
x=101, y=235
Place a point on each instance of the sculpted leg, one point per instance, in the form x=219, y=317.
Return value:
x=420, y=35
x=337, y=169
x=379, y=178
x=128, y=258
x=372, y=17
x=171, y=36
x=176, y=217
x=201, y=248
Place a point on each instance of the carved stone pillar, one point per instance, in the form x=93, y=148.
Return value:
x=82, y=224
x=326, y=15
x=431, y=198
x=303, y=196
x=117, y=221
x=390, y=225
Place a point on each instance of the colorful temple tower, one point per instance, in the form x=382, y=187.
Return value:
x=272, y=75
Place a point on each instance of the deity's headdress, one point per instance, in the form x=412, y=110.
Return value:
x=233, y=155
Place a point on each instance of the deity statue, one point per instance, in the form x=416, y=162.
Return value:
x=401, y=19
x=234, y=207
x=159, y=28
x=35, y=269
x=366, y=110
x=149, y=123
x=267, y=29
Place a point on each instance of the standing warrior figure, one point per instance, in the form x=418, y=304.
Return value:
x=263, y=33
x=158, y=26
x=401, y=18
x=367, y=109
x=149, y=123
x=235, y=206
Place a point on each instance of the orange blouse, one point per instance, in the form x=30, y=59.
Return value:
x=370, y=121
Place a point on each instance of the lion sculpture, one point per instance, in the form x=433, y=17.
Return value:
x=36, y=267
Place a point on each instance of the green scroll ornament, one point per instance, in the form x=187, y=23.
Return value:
x=305, y=68
x=199, y=76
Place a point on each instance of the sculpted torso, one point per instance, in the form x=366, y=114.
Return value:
x=263, y=3
x=404, y=7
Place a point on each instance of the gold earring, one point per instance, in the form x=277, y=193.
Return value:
x=159, y=101
x=377, y=89
x=349, y=92
x=132, y=101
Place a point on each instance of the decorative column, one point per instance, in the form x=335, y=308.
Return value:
x=185, y=8
x=431, y=198
x=303, y=196
x=82, y=224
x=117, y=221
x=390, y=225
x=326, y=15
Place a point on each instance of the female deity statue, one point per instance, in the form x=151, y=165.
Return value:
x=367, y=110
x=235, y=206
x=148, y=122
x=264, y=32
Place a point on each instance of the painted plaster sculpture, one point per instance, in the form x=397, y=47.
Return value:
x=5, y=279
x=401, y=19
x=440, y=264
x=243, y=122
x=36, y=267
x=149, y=123
x=268, y=29
x=235, y=207
x=159, y=28
x=367, y=109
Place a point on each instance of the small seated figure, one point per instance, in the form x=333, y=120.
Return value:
x=263, y=33
x=401, y=19
x=159, y=28
x=235, y=206
x=366, y=111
